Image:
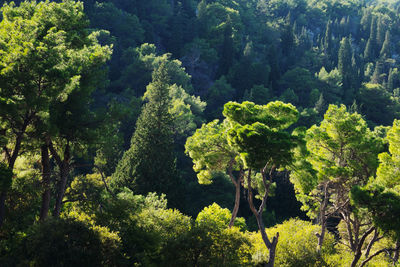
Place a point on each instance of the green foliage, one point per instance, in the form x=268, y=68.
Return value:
x=219, y=218
x=219, y=93
x=149, y=164
x=377, y=104
x=345, y=69
x=85, y=193
x=123, y=25
x=216, y=243
x=301, y=81
x=52, y=65
x=186, y=110
x=209, y=150
x=24, y=188
x=348, y=133
x=289, y=96
x=333, y=84
x=258, y=94
x=382, y=203
x=381, y=196
x=258, y=132
x=341, y=150
x=5, y=176
x=61, y=242
x=387, y=173
x=49, y=68
x=296, y=246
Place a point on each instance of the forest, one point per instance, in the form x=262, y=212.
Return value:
x=200, y=133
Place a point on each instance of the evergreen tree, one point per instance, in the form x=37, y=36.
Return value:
x=370, y=49
x=366, y=21
x=380, y=32
x=385, y=51
x=227, y=49
x=345, y=68
x=390, y=83
x=149, y=164
x=328, y=38
x=377, y=76
x=287, y=39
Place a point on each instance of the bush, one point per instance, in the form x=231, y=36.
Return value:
x=297, y=245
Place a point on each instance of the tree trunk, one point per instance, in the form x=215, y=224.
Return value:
x=46, y=183
x=64, y=166
x=396, y=253
x=323, y=218
x=272, y=251
x=237, y=203
x=258, y=214
x=237, y=184
x=358, y=252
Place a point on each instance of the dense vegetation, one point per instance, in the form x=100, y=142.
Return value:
x=200, y=133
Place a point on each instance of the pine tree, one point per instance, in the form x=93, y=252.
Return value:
x=149, y=164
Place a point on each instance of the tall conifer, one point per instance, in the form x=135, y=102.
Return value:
x=345, y=69
x=385, y=51
x=149, y=164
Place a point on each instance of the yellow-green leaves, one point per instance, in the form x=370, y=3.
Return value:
x=388, y=173
x=209, y=150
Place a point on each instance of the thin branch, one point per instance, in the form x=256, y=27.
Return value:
x=376, y=254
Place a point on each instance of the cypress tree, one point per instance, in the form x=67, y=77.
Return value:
x=328, y=38
x=149, y=164
x=377, y=76
x=380, y=32
x=345, y=58
x=390, y=83
x=227, y=49
x=385, y=51
x=345, y=68
x=370, y=49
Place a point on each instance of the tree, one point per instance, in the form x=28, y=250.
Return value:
x=346, y=70
x=381, y=196
x=219, y=93
x=328, y=38
x=371, y=47
x=385, y=51
x=149, y=164
x=49, y=70
x=341, y=153
x=211, y=152
x=227, y=49
x=259, y=135
x=296, y=245
x=301, y=81
x=377, y=105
